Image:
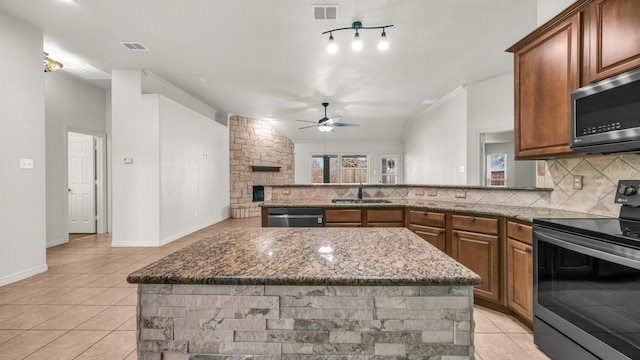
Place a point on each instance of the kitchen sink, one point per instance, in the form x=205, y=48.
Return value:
x=360, y=201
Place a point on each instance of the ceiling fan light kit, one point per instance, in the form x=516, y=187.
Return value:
x=326, y=124
x=357, y=45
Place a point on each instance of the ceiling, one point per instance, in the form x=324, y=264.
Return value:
x=268, y=59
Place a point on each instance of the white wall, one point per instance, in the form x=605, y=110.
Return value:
x=70, y=104
x=194, y=171
x=435, y=144
x=490, y=108
x=303, y=152
x=155, y=198
x=547, y=9
x=22, y=192
x=136, y=186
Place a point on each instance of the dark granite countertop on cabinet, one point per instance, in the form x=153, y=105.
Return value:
x=309, y=256
x=524, y=213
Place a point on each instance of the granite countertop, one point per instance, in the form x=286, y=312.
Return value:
x=308, y=256
x=524, y=213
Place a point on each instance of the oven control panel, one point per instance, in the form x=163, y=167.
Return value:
x=628, y=193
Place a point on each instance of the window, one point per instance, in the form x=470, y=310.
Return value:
x=339, y=169
x=497, y=174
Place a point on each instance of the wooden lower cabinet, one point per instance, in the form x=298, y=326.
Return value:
x=343, y=217
x=433, y=235
x=385, y=217
x=480, y=253
x=520, y=269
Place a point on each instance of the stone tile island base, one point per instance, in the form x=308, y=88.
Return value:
x=207, y=322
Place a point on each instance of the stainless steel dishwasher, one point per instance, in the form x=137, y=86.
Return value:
x=294, y=217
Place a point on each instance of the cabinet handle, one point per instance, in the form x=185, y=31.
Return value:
x=528, y=250
x=441, y=232
x=426, y=213
x=455, y=233
x=518, y=226
x=473, y=218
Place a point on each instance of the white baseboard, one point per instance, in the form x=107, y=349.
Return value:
x=134, y=244
x=23, y=274
x=177, y=236
x=57, y=242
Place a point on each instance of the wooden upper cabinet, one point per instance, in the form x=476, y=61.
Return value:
x=612, y=33
x=546, y=70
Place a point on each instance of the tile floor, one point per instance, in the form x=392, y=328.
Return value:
x=83, y=308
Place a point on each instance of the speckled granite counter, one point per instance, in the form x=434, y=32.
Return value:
x=306, y=293
x=308, y=256
x=525, y=213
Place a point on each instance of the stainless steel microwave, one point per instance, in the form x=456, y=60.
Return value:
x=605, y=116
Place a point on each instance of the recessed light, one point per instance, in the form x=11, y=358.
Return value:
x=202, y=78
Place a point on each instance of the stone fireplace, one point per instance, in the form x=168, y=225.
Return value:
x=259, y=156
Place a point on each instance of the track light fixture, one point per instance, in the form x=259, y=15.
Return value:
x=357, y=44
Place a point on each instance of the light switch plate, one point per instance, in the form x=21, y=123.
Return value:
x=460, y=194
x=26, y=163
x=432, y=192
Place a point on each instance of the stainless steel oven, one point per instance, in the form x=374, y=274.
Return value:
x=587, y=284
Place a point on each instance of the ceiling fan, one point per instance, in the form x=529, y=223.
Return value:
x=326, y=124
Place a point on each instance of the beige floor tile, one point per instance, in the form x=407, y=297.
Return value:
x=117, y=345
x=483, y=324
x=525, y=341
x=108, y=281
x=9, y=311
x=14, y=293
x=505, y=323
x=27, y=343
x=82, y=280
x=43, y=295
x=132, y=356
x=68, y=346
x=497, y=347
x=110, y=296
x=71, y=318
x=38, y=315
x=110, y=319
x=52, y=280
x=6, y=335
x=131, y=324
x=129, y=300
x=77, y=296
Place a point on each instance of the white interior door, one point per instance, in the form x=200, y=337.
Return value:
x=82, y=196
x=390, y=168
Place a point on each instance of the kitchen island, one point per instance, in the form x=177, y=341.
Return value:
x=306, y=293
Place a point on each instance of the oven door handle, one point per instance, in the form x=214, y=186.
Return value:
x=599, y=249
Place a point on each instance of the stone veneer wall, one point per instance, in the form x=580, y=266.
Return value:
x=600, y=175
x=255, y=142
x=180, y=322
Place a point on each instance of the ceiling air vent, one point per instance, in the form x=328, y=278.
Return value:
x=325, y=12
x=134, y=46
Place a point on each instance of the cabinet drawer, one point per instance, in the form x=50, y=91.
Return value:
x=426, y=218
x=475, y=224
x=343, y=215
x=519, y=232
x=385, y=215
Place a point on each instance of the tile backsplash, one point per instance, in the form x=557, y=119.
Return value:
x=600, y=175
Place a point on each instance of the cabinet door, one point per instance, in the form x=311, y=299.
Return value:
x=614, y=37
x=546, y=71
x=343, y=217
x=480, y=253
x=520, y=277
x=434, y=236
x=385, y=217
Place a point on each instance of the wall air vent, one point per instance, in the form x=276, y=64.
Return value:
x=134, y=46
x=325, y=12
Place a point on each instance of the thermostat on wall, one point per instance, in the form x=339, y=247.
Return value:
x=128, y=160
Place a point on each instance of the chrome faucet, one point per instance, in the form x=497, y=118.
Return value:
x=360, y=191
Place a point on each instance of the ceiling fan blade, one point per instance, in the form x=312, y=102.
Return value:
x=344, y=124
x=306, y=127
x=334, y=119
x=310, y=122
